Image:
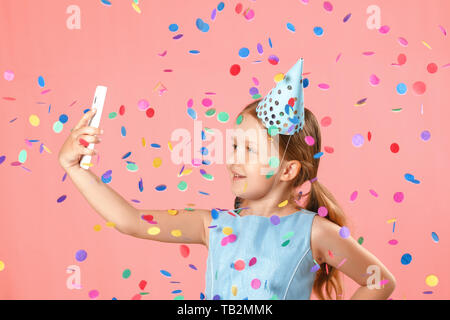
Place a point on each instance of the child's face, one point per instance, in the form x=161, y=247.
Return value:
x=253, y=154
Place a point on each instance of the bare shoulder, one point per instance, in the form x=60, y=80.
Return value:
x=320, y=228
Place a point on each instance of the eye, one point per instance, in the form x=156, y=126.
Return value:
x=234, y=146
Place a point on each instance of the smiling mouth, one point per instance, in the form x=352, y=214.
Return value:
x=237, y=177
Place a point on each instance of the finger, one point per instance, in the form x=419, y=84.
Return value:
x=88, y=151
x=85, y=140
x=86, y=130
x=84, y=120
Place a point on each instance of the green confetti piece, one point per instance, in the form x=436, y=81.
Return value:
x=210, y=112
x=239, y=119
x=223, y=116
x=284, y=244
x=126, y=273
x=112, y=115
x=360, y=240
x=182, y=186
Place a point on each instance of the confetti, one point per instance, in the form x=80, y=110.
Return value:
x=153, y=231
x=126, y=273
x=81, y=255
x=93, y=294
x=244, y=52
x=406, y=259
x=8, y=75
x=235, y=69
x=431, y=280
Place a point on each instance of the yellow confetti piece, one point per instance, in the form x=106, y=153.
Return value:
x=392, y=220
x=97, y=227
x=282, y=204
x=278, y=77
x=34, y=120
x=227, y=230
x=136, y=8
x=170, y=145
x=426, y=44
x=153, y=231
x=172, y=212
x=245, y=186
x=176, y=233
x=431, y=280
x=157, y=162
x=110, y=224
x=2, y=265
x=234, y=290
x=87, y=164
x=143, y=142
x=185, y=172
x=46, y=149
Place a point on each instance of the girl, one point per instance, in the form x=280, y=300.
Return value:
x=279, y=242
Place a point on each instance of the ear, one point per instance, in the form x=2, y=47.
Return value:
x=291, y=170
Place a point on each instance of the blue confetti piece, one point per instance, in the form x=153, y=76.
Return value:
x=41, y=82
x=141, y=186
x=2, y=159
x=126, y=155
x=270, y=42
x=192, y=113
x=214, y=214
x=290, y=27
x=318, y=31
x=220, y=6
x=206, y=162
x=318, y=155
x=173, y=27
x=244, y=52
x=63, y=118
x=406, y=259
x=205, y=193
x=305, y=82
x=123, y=131
x=192, y=267
x=435, y=237
x=155, y=145
x=194, y=51
x=161, y=187
x=165, y=273
x=106, y=2
x=202, y=296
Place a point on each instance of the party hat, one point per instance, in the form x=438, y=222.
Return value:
x=282, y=109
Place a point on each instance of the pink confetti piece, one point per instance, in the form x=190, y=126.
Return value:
x=338, y=57
x=384, y=29
x=162, y=54
x=374, y=80
x=368, y=53
x=403, y=41
x=341, y=263
x=443, y=30
x=323, y=86
x=45, y=91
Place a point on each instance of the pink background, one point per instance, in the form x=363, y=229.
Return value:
x=118, y=47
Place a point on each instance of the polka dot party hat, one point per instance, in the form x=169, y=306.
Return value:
x=282, y=110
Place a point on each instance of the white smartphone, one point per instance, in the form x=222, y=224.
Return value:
x=98, y=103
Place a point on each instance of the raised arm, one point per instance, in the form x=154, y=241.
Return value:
x=171, y=225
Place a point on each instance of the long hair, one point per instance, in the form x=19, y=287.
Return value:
x=319, y=195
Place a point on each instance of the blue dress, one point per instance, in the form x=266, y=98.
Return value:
x=260, y=258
